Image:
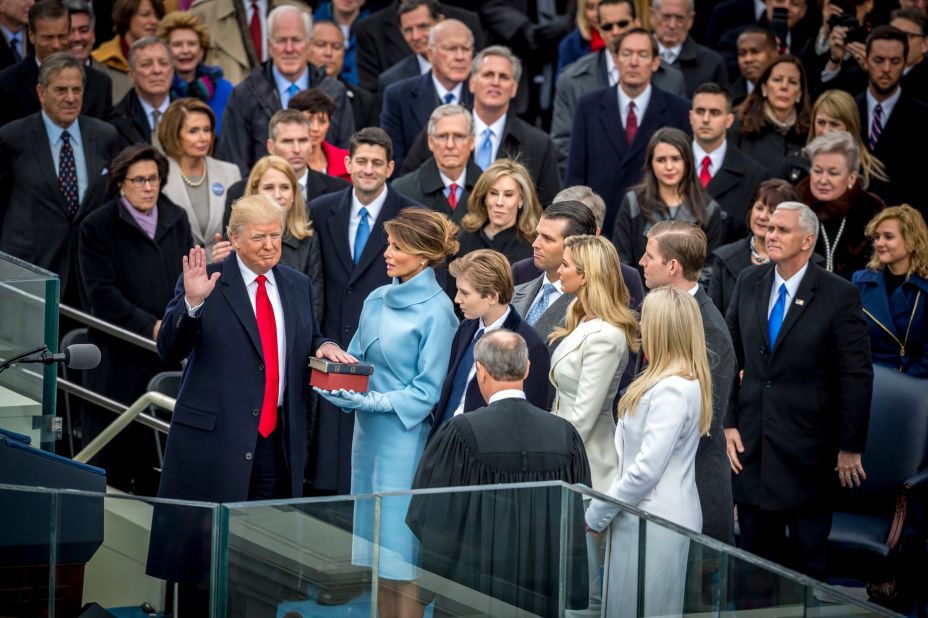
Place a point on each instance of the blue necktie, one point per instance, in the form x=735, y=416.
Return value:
x=449, y=98
x=775, y=321
x=459, y=384
x=67, y=174
x=541, y=306
x=291, y=91
x=485, y=154
x=361, y=236
x=14, y=48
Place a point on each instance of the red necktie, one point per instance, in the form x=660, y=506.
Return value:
x=267, y=328
x=631, y=123
x=254, y=27
x=704, y=175
x=453, y=196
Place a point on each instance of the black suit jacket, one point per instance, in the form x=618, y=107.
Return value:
x=347, y=285
x=6, y=54
x=35, y=223
x=699, y=65
x=128, y=116
x=404, y=69
x=733, y=187
x=906, y=126
x=425, y=186
x=599, y=155
x=535, y=386
x=521, y=141
x=20, y=99
x=364, y=105
x=805, y=399
x=407, y=106
x=380, y=43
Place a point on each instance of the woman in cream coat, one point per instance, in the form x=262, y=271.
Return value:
x=661, y=417
x=196, y=181
x=593, y=349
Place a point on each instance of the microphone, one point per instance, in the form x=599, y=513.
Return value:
x=79, y=356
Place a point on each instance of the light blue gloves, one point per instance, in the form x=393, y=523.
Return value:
x=350, y=400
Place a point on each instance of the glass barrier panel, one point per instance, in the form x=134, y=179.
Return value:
x=28, y=525
x=302, y=557
x=28, y=319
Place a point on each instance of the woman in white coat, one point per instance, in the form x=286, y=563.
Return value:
x=661, y=417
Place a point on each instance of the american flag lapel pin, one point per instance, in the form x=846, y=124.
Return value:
x=800, y=302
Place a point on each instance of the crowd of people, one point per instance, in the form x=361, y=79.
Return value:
x=694, y=238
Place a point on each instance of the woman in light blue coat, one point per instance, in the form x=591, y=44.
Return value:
x=405, y=331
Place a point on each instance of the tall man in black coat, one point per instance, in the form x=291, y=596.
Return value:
x=672, y=20
x=151, y=72
x=508, y=441
x=49, y=33
x=800, y=411
x=601, y=154
x=41, y=204
x=727, y=174
x=354, y=267
x=327, y=49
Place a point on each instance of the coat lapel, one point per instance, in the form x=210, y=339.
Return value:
x=288, y=302
x=651, y=122
x=582, y=331
x=610, y=122
x=728, y=177
x=217, y=203
x=338, y=223
x=237, y=296
x=762, y=301
x=43, y=154
x=803, y=298
x=377, y=241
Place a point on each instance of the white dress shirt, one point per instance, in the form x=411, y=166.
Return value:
x=791, y=286
x=303, y=182
x=283, y=85
x=424, y=65
x=459, y=181
x=716, y=157
x=442, y=91
x=373, y=211
x=611, y=69
x=459, y=409
x=497, y=128
x=641, y=104
x=888, y=106
x=507, y=393
x=148, y=109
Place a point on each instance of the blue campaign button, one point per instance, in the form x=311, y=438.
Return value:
x=218, y=189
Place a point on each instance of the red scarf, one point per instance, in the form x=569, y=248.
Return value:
x=596, y=41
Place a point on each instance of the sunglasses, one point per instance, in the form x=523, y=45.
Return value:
x=622, y=23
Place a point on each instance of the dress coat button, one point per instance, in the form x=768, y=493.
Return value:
x=260, y=367
x=249, y=456
x=255, y=412
x=768, y=384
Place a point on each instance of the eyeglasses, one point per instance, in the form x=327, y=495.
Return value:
x=281, y=41
x=456, y=138
x=621, y=24
x=673, y=18
x=139, y=181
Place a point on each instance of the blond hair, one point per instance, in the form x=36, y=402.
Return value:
x=487, y=271
x=604, y=295
x=914, y=234
x=842, y=106
x=254, y=210
x=528, y=214
x=297, y=222
x=673, y=341
x=182, y=20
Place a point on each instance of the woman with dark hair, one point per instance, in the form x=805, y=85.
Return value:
x=318, y=108
x=894, y=290
x=502, y=212
x=670, y=189
x=130, y=253
x=772, y=123
x=729, y=260
x=405, y=331
x=132, y=20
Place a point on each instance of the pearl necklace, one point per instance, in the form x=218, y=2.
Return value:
x=755, y=255
x=829, y=248
x=191, y=183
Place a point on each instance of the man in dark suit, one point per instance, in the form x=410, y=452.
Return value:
x=382, y=41
x=49, y=33
x=484, y=289
x=499, y=132
x=675, y=256
x=444, y=182
x=53, y=167
x=327, y=49
x=901, y=119
x=608, y=144
x=756, y=48
x=136, y=117
x=733, y=17
x=672, y=20
x=801, y=409
x=408, y=104
x=246, y=329
x=288, y=133
x=726, y=173
x=417, y=17
x=350, y=227
x=514, y=440
x=14, y=15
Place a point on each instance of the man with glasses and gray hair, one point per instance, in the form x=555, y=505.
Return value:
x=798, y=416
x=508, y=441
x=445, y=180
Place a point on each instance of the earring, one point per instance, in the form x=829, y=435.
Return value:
x=798, y=98
x=122, y=193
x=850, y=186
x=520, y=205
x=763, y=93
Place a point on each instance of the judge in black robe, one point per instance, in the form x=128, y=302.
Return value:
x=504, y=543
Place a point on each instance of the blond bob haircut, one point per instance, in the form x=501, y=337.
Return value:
x=487, y=271
x=681, y=241
x=297, y=223
x=425, y=233
x=529, y=211
x=604, y=294
x=182, y=20
x=914, y=233
x=254, y=210
x=842, y=107
x=173, y=121
x=674, y=343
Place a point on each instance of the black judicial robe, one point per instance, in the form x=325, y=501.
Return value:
x=504, y=543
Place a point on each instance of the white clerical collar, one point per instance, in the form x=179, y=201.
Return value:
x=506, y=393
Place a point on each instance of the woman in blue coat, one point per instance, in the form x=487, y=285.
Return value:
x=405, y=331
x=894, y=290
